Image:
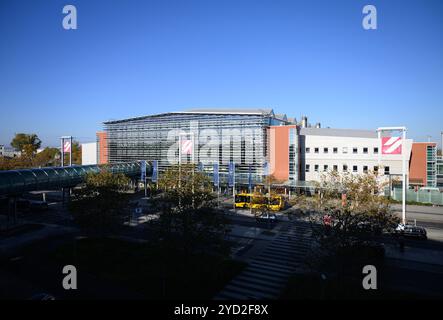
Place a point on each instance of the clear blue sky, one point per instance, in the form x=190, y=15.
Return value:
x=129, y=58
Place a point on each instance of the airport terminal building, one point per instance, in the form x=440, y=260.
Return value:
x=257, y=141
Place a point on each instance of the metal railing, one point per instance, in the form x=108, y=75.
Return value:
x=423, y=196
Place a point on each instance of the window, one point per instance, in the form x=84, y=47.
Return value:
x=335, y=150
x=375, y=150
x=375, y=169
x=365, y=169
x=354, y=168
x=325, y=167
x=307, y=168
x=345, y=150
x=335, y=167
x=354, y=150
x=325, y=150
x=365, y=150
x=316, y=168
x=308, y=150
x=316, y=150
x=386, y=170
x=345, y=168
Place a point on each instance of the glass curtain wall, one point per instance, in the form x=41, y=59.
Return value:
x=213, y=138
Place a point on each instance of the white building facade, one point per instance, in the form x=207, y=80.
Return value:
x=89, y=153
x=343, y=150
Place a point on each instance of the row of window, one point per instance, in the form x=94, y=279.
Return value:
x=344, y=150
x=344, y=168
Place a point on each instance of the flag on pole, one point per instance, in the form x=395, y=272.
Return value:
x=391, y=145
x=250, y=178
x=154, y=171
x=143, y=170
x=231, y=174
x=67, y=146
x=186, y=146
x=216, y=175
x=266, y=169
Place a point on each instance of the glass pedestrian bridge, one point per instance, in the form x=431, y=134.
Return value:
x=52, y=178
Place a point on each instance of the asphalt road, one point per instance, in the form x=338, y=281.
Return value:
x=428, y=217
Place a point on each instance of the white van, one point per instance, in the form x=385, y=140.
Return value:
x=429, y=189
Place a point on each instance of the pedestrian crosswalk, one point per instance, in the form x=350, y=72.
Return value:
x=267, y=273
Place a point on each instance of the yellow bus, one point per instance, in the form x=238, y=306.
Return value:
x=277, y=203
x=243, y=200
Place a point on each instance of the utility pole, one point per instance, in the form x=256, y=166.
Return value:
x=70, y=151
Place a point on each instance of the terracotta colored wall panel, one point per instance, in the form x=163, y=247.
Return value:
x=417, y=165
x=102, y=145
x=279, y=151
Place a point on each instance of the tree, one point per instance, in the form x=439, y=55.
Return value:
x=47, y=157
x=351, y=208
x=14, y=163
x=26, y=143
x=350, y=211
x=100, y=204
x=188, y=220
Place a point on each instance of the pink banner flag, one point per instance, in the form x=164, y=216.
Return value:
x=391, y=145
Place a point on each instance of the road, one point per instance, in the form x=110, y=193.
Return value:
x=426, y=216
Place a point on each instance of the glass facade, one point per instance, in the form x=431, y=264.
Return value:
x=294, y=148
x=439, y=169
x=204, y=137
x=431, y=166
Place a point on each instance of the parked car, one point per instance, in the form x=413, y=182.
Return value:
x=411, y=231
x=267, y=217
